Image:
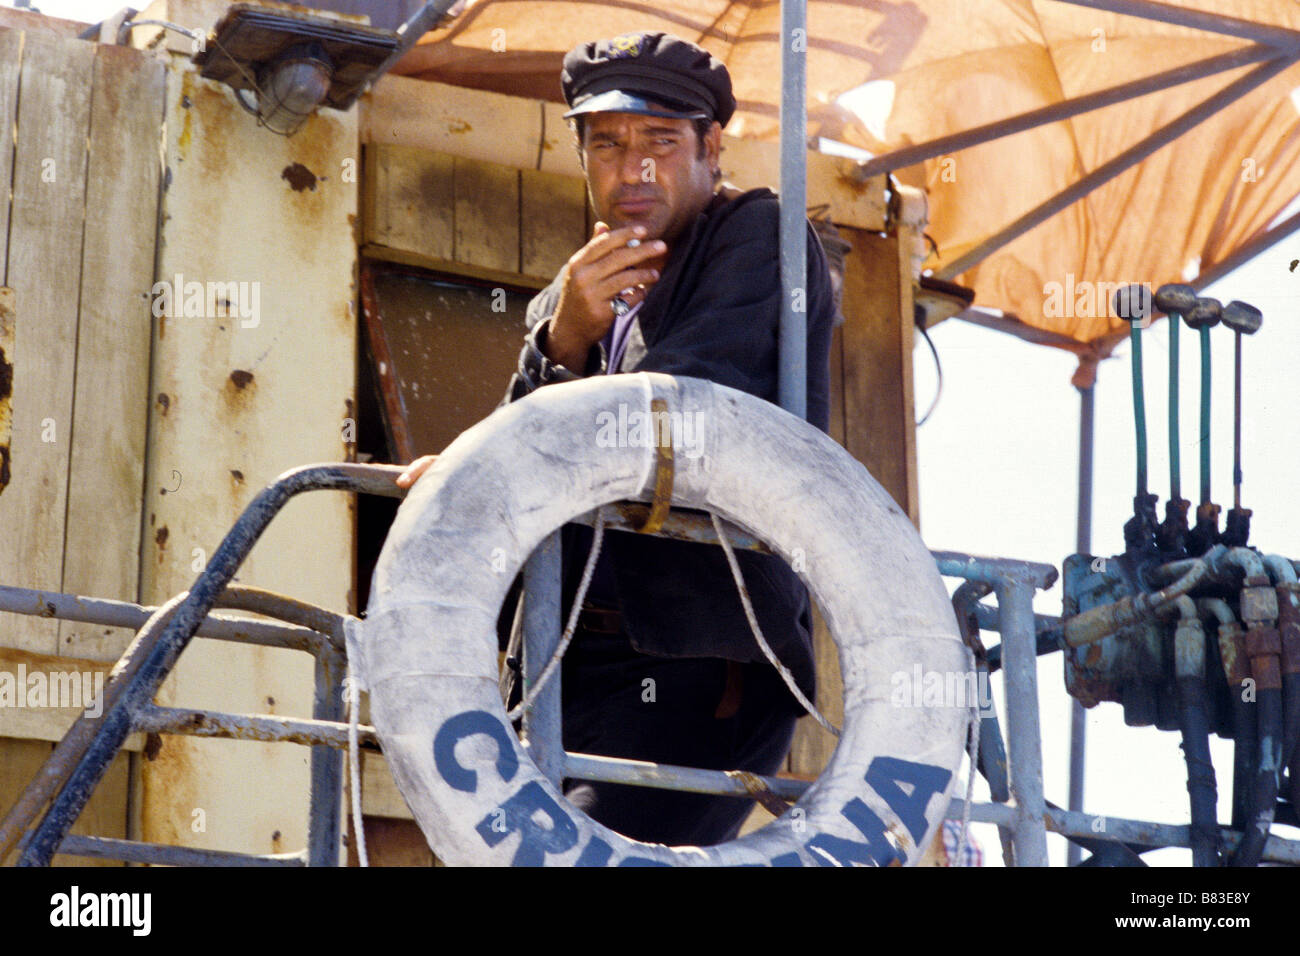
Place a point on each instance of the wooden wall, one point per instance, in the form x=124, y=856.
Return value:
x=470, y=217
x=80, y=227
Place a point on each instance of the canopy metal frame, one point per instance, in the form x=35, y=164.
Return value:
x=1274, y=49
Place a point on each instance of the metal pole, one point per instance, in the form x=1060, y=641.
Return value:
x=325, y=823
x=909, y=155
x=1139, y=408
x=1109, y=170
x=1120, y=830
x=1236, y=421
x=1197, y=19
x=1024, y=737
x=408, y=35
x=1083, y=545
x=1244, y=254
x=542, y=724
x=793, y=341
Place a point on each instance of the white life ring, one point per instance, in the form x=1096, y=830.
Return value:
x=429, y=642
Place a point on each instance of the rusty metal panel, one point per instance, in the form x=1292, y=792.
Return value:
x=240, y=395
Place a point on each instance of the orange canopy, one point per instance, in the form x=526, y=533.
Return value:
x=909, y=72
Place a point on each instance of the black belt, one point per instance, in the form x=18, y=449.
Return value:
x=600, y=620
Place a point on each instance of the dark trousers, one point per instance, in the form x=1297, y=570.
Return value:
x=692, y=712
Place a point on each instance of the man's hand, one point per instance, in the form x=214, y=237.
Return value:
x=414, y=470
x=594, y=274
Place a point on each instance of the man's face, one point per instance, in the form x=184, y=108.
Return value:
x=648, y=170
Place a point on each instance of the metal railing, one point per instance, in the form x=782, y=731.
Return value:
x=79, y=761
x=81, y=758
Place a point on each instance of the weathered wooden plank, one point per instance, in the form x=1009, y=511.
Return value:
x=42, y=694
x=111, y=402
x=879, y=415
x=11, y=61
x=457, y=121
x=870, y=386
x=837, y=385
x=379, y=794
x=552, y=221
x=812, y=746
x=105, y=814
x=394, y=843
x=487, y=215
x=19, y=762
x=43, y=267
x=6, y=380
x=501, y=276
x=33, y=22
x=409, y=205
x=531, y=134
x=750, y=163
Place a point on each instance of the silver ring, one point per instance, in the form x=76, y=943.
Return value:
x=619, y=306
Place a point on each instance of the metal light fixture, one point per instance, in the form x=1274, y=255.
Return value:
x=292, y=87
x=284, y=64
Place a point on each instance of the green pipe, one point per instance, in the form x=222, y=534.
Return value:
x=1205, y=414
x=1139, y=408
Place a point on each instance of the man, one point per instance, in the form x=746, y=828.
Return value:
x=681, y=276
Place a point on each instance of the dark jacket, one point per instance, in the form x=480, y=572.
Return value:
x=713, y=314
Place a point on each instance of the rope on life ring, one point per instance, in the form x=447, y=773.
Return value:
x=427, y=650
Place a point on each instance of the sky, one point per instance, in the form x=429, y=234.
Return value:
x=997, y=464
